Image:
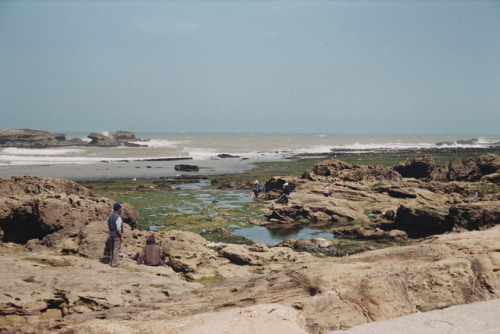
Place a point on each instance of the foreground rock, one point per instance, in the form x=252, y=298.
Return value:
x=53, y=238
x=313, y=296
x=47, y=285
x=481, y=317
x=54, y=233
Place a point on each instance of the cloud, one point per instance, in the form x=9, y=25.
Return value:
x=160, y=25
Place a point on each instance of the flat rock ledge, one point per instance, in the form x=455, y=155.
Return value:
x=309, y=295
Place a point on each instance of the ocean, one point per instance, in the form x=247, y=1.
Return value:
x=158, y=155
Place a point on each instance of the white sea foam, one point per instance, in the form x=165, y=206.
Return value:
x=312, y=149
x=40, y=151
x=381, y=146
x=159, y=143
x=207, y=147
x=201, y=153
x=9, y=160
x=483, y=141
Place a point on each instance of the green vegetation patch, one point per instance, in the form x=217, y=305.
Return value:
x=192, y=208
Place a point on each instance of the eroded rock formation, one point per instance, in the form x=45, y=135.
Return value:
x=27, y=138
x=54, y=212
x=409, y=197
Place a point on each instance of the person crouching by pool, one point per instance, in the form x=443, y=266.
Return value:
x=286, y=193
x=257, y=188
x=151, y=254
x=328, y=191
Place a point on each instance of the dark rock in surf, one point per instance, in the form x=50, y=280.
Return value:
x=123, y=136
x=225, y=155
x=98, y=139
x=187, y=168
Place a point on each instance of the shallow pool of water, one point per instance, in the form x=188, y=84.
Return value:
x=275, y=236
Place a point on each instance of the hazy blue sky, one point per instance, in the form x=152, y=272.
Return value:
x=251, y=66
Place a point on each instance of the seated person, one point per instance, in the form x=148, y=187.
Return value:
x=285, y=193
x=151, y=254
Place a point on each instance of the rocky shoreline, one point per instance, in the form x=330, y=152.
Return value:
x=53, y=233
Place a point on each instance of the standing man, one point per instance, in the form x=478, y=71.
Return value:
x=115, y=226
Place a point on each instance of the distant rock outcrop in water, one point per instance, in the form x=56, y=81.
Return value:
x=26, y=138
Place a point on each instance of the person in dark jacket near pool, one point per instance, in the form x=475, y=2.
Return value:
x=286, y=193
x=151, y=254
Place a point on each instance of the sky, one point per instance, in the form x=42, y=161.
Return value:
x=377, y=67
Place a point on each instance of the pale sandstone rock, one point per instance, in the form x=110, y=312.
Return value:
x=326, y=294
x=242, y=254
